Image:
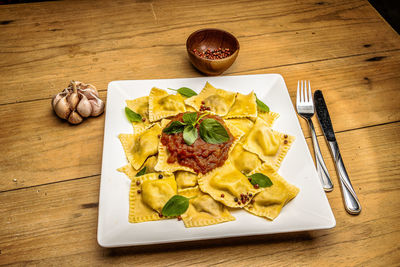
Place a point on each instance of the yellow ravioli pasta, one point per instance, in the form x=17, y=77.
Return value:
x=244, y=124
x=162, y=104
x=269, y=202
x=226, y=184
x=190, y=108
x=203, y=210
x=141, y=106
x=219, y=101
x=244, y=160
x=271, y=146
x=185, y=179
x=268, y=117
x=131, y=172
x=145, y=207
x=156, y=192
x=140, y=145
x=244, y=106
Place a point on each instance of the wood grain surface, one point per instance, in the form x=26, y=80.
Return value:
x=50, y=171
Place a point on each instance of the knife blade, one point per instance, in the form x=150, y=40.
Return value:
x=351, y=201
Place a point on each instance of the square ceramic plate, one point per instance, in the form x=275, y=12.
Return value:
x=310, y=210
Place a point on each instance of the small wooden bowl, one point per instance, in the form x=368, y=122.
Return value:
x=212, y=39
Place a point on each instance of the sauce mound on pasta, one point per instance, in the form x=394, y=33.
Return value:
x=201, y=156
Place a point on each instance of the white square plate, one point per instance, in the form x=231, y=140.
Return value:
x=310, y=210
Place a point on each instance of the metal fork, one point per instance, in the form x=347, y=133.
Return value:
x=305, y=108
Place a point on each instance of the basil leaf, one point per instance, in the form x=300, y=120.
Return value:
x=190, y=135
x=190, y=118
x=132, y=116
x=213, y=132
x=261, y=106
x=185, y=91
x=174, y=127
x=175, y=206
x=260, y=179
x=141, y=172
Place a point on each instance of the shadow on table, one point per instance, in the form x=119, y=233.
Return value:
x=226, y=242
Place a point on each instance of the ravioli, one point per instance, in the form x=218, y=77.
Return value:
x=131, y=172
x=244, y=160
x=219, y=101
x=157, y=192
x=244, y=106
x=139, y=208
x=185, y=179
x=162, y=104
x=141, y=106
x=190, y=108
x=269, y=117
x=141, y=145
x=271, y=146
x=269, y=202
x=226, y=184
x=203, y=210
x=244, y=124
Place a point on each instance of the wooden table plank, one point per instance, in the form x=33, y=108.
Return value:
x=51, y=150
x=43, y=53
x=56, y=223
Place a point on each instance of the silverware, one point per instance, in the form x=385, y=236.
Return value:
x=305, y=108
x=350, y=198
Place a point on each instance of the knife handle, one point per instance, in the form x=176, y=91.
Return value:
x=319, y=161
x=351, y=202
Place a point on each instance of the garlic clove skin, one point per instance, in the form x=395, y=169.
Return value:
x=97, y=106
x=62, y=108
x=74, y=118
x=93, y=90
x=56, y=98
x=73, y=100
x=84, y=107
x=90, y=94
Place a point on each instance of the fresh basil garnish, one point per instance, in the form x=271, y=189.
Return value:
x=141, y=172
x=210, y=130
x=185, y=91
x=260, y=179
x=132, y=116
x=190, y=135
x=175, y=206
x=190, y=118
x=213, y=132
x=174, y=127
x=261, y=105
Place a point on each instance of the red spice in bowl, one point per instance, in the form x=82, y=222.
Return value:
x=213, y=54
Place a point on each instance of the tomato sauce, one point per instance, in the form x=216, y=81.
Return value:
x=201, y=156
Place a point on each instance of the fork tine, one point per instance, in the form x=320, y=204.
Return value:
x=298, y=95
x=310, y=99
x=302, y=91
x=305, y=92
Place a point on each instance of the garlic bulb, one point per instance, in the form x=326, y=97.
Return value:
x=77, y=101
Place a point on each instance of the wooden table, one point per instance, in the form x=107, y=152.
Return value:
x=50, y=170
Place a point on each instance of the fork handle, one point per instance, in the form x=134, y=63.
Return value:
x=321, y=167
x=351, y=202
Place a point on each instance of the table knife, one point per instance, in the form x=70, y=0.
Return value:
x=351, y=202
